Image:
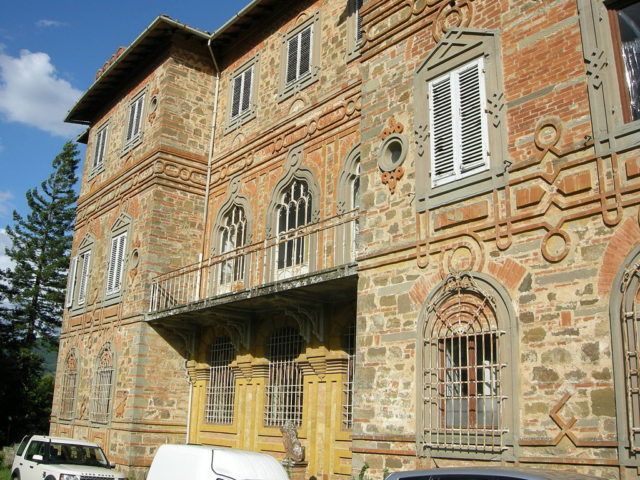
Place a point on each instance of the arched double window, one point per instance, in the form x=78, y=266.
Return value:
x=349, y=203
x=466, y=361
x=232, y=235
x=285, y=386
x=221, y=389
x=294, y=212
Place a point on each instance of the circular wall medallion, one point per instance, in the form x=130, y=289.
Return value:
x=392, y=152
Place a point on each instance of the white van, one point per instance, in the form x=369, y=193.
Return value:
x=197, y=462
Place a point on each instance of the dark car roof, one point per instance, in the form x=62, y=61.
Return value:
x=499, y=472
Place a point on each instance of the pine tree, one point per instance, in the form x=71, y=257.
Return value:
x=40, y=247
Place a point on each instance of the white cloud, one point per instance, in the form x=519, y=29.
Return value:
x=50, y=23
x=32, y=93
x=5, y=241
x=5, y=203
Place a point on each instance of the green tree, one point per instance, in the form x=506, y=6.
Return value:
x=41, y=243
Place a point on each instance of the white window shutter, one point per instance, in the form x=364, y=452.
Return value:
x=358, y=6
x=305, y=51
x=458, y=126
x=120, y=261
x=132, y=116
x=292, y=59
x=247, y=77
x=101, y=139
x=442, y=146
x=84, y=277
x=471, y=112
x=116, y=263
x=237, y=93
x=71, y=281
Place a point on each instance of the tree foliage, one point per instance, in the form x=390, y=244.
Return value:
x=40, y=246
x=32, y=298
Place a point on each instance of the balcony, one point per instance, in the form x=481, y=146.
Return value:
x=315, y=262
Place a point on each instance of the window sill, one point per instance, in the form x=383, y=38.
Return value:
x=131, y=144
x=240, y=120
x=300, y=84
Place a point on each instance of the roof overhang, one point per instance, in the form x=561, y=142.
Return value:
x=153, y=40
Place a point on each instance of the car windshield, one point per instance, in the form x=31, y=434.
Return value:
x=76, y=455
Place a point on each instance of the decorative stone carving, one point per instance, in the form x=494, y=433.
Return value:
x=294, y=450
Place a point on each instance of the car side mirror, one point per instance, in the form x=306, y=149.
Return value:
x=37, y=458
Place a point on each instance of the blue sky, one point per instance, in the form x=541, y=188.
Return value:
x=50, y=51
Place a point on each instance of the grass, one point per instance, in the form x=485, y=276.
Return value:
x=5, y=473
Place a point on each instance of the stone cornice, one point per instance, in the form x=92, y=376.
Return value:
x=162, y=166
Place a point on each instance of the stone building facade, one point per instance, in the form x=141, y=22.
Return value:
x=408, y=228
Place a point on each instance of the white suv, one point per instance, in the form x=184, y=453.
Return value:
x=51, y=458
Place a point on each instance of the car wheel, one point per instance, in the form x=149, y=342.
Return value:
x=15, y=476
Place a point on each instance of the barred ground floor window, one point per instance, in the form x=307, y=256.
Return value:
x=219, y=406
x=466, y=365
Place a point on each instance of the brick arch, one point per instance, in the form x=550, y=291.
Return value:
x=624, y=240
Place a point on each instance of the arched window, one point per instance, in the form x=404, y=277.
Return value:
x=102, y=386
x=348, y=204
x=232, y=235
x=69, y=386
x=222, y=383
x=466, y=360
x=284, y=390
x=293, y=213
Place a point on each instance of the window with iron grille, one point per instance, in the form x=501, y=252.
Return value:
x=630, y=326
x=221, y=389
x=458, y=130
x=100, y=148
x=293, y=213
x=349, y=345
x=233, y=235
x=285, y=386
x=102, y=384
x=69, y=386
x=463, y=368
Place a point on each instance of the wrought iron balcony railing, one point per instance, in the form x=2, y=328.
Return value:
x=301, y=251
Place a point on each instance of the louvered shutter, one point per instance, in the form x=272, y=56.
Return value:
x=132, y=116
x=84, y=277
x=440, y=107
x=100, y=146
x=71, y=281
x=237, y=92
x=358, y=6
x=292, y=59
x=305, y=51
x=120, y=262
x=112, y=266
x=471, y=111
x=135, y=118
x=116, y=263
x=247, y=77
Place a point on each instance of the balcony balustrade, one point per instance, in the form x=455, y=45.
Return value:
x=299, y=252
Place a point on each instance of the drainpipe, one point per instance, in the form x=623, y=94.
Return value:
x=205, y=211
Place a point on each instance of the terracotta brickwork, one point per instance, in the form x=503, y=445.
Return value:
x=547, y=236
x=492, y=309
